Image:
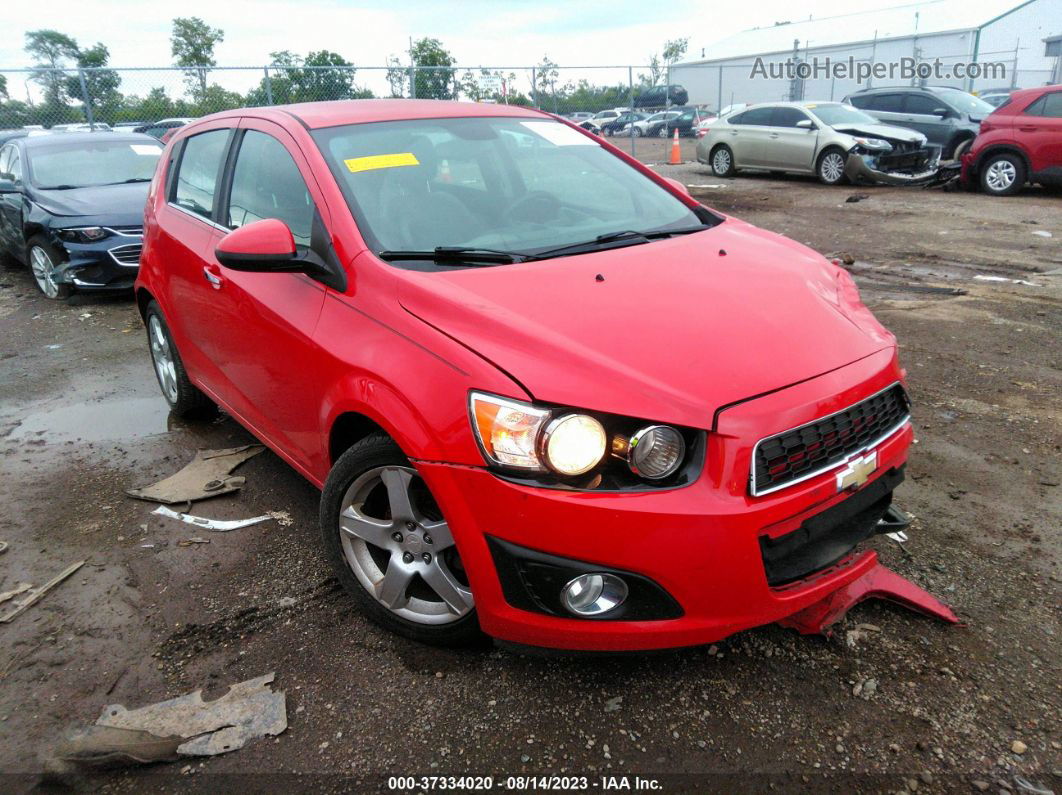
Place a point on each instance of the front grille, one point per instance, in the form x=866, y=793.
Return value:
x=899, y=161
x=127, y=255
x=798, y=454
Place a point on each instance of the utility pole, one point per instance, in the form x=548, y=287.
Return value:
x=412, y=72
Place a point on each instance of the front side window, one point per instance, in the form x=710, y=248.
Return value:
x=787, y=117
x=920, y=103
x=62, y=165
x=266, y=183
x=511, y=184
x=758, y=116
x=197, y=175
x=10, y=168
x=837, y=114
x=1049, y=105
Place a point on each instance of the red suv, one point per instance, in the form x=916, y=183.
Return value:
x=1020, y=142
x=547, y=395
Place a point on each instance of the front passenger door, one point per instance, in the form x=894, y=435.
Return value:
x=11, y=203
x=790, y=147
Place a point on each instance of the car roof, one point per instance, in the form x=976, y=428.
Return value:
x=318, y=115
x=44, y=141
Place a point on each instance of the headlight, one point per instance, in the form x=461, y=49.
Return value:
x=507, y=430
x=573, y=444
x=655, y=452
x=874, y=143
x=83, y=234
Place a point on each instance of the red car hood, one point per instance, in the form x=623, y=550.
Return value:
x=674, y=331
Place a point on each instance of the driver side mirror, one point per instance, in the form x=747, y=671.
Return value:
x=260, y=246
x=805, y=124
x=679, y=186
x=7, y=185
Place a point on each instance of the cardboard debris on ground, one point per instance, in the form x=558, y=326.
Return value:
x=217, y=525
x=182, y=726
x=33, y=595
x=207, y=475
x=20, y=587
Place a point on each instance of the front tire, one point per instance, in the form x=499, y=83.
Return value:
x=830, y=167
x=43, y=258
x=391, y=548
x=184, y=397
x=723, y=161
x=1003, y=174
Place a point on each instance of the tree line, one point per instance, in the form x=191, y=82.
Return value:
x=66, y=73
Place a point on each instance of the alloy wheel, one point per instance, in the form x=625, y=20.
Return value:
x=400, y=548
x=1000, y=175
x=162, y=356
x=44, y=272
x=721, y=161
x=832, y=168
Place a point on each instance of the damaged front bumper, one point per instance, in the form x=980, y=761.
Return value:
x=891, y=168
x=108, y=264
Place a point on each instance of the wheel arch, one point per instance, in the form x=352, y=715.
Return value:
x=1000, y=149
x=143, y=298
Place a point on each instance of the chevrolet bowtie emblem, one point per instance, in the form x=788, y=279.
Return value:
x=857, y=471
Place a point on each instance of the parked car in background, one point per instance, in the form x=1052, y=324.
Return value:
x=614, y=126
x=449, y=356
x=661, y=97
x=72, y=207
x=829, y=139
x=684, y=120
x=948, y=117
x=641, y=127
x=129, y=126
x=595, y=122
x=97, y=126
x=159, y=128
x=1020, y=142
x=995, y=96
x=578, y=116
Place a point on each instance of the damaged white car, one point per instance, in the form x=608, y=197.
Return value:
x=832, y=140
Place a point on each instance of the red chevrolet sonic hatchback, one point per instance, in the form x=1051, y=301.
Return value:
x=547, y=395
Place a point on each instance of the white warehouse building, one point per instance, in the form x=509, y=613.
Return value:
x=1015, y=36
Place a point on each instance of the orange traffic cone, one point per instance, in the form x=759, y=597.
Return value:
x=676, y=151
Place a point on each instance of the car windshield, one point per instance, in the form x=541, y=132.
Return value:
x=838, y=114
x=967, y=103
x=506, y=184
x=84, y=164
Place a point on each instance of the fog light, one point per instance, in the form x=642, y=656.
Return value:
x=656, y=452
x=594, y=594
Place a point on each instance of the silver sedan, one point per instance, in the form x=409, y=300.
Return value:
x=832, y=140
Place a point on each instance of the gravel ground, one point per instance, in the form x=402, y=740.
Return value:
x=892, y=702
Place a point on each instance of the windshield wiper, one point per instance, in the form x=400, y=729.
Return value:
x=58, y=187
x=631, y=236
x=129, y=181
x=456, y=255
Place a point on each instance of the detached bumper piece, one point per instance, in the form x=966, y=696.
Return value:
x=534, y=581
x=894, y=168
x=878, y=583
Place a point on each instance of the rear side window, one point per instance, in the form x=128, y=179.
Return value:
x=197, y=176
x=266, y=183
x=883, y=103
x=758, y=116
x=1049, y=105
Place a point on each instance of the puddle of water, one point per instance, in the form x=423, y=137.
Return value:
x=130, y=418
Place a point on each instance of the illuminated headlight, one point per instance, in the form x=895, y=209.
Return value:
x=876, y=144
x=83, y=234
x=655, y=452
x=573, y=444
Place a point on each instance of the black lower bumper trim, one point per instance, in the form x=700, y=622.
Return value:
x=827, y=537
x=533, y=581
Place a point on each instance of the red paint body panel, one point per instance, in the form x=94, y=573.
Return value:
x=741, y=345
x=1010, y=128
x=268, y=238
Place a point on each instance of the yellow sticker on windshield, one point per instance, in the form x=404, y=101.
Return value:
x=373, y=162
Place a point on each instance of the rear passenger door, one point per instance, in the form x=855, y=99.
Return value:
x=748, y=138
x=1039, y=130
x=263, y=322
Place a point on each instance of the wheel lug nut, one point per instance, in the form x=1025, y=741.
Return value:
x=397, y=537
x=427, y=539
x=407, y=557
x=427, y=557
x=410, y=526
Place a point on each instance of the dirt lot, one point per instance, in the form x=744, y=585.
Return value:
x=904, y=703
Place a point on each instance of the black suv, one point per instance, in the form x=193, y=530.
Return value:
x=949, y=117
x=662, y=96
x=686, y=122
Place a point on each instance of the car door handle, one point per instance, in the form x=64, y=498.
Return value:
x=1028, y=129
x=212, y=276
x=774, y=135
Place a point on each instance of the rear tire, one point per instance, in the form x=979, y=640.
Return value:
x=42, y=259
x=722, y=160
x=394, y=553
x=637, y=132
x=184, y=397
x=830, y=168
x=1003, y=174
x=959, y=149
